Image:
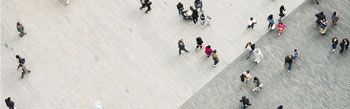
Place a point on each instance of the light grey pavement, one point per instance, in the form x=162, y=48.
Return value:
x=319, y=78
x=109, y=50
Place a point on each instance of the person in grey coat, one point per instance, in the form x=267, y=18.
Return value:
x=181, y=45
x=20, y=29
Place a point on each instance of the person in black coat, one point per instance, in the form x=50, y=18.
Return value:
x=250, y=47
x=282, y=13
x=288, y=60
x=344, y=44
x=195, y=16
x=199, y=42
x=245, y=102
x=10, y=104
x=320, y=16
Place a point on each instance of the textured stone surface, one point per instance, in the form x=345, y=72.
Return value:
x=109, y=50
x=318, y=80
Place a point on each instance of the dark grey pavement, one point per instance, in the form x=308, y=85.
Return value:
x=318, y=80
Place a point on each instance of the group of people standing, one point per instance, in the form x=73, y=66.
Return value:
x=193, y=14
x=270, y=19
x=208, y=50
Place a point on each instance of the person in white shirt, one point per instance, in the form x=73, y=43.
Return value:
x=258, y=55
x=247, y=78
x=251, y=23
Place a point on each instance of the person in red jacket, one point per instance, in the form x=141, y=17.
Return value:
x=208, y=51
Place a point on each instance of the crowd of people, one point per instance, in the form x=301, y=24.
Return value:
x=193, y=14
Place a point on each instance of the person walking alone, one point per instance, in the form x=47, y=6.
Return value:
x=257, y=84
x=258, y=55
x=208, y=51
x=146, y=3
x=199, y=42
x=282, y=13
x=215, y=58
x=20, y=60
x=10, y=104
x=251, y=23
x=288, y=61
x=181, y=46
x=250, y=48
x=245, y=102
x=20, y=29
x=334, y=43
x=335, y=18
x=271, y=22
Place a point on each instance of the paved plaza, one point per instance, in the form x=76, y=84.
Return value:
x=110, y=51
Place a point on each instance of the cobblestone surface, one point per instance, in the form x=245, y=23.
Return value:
x=318, y=80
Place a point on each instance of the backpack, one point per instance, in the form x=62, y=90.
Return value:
x=22, y=60
x=243, y=77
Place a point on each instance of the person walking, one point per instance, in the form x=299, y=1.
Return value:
x=295, y=54
x=208, y=51
x=198, y=4
x=209, y=19
x=344, y=45
x=335, y=18
x=194, y=16
x=323, y=28
x=215, y=58
x=181, y=46
x=282, y=13
x=319, y=17
x=245, y=102
x=258, y=55
x=334, y=43
x=180, y=7
x=251, y=23
x=146, y=3
x=280, y=27
x=246, y=76
x=202, y=19
x=10, y=104
x=20, y=29
x=271, y=22
x=288, y=61
x=199, y=42
x=250, y=48
x=257, y=84
x=23, y=69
